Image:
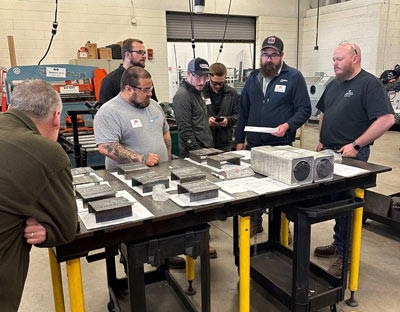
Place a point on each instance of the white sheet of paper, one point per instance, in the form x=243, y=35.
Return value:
x=267, y=185
x=173, y=185
x=347, y=171
x=139, y=212
x=260, y=129
x=183, y=200
x=236, y=186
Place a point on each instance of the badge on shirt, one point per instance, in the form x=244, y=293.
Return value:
x=208, y=101
x=136, y=123
x=280, y=88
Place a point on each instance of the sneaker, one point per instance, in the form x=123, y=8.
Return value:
x=255, y=229
x=326, y=251
x=336, y=268
x=212, y=252
x=177, y=262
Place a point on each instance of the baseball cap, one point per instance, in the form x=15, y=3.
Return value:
x=273, y=42
x=199, y=66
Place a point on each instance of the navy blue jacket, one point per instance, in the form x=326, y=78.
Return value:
x=286, y=100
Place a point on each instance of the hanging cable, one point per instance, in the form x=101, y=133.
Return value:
x=316, y=33
x=192, y=28
x=226, y=24
x=53, y=32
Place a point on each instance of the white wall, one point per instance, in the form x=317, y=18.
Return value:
x=106, y=21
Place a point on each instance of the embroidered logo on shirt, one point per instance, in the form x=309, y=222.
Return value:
x=348, y=94
x=283, y=80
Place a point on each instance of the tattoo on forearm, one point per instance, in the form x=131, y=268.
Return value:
x=145, y=157
x=119, y=153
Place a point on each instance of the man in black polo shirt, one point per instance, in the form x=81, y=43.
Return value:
x=133, y=54
x=355, y=111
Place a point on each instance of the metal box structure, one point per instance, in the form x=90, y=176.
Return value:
x=282, y=165
x=323, y=163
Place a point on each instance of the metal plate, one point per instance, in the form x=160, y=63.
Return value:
x=202, y=153
x=199, y=190
x=110, y=208
x=132, y=169
x=148, y=180
x=95, y=192
x=187, y=174
x=221, y=159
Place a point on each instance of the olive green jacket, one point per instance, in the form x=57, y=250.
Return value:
x=35, y=181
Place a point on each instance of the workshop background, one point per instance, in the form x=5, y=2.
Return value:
x=373, y=24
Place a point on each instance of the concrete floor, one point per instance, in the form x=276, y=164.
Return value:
x=379, y=282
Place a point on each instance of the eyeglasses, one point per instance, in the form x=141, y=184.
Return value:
x=271, y=56
x=351, y=46
x=141, y=52
x=200, y=77
x=216, y=84
x=144, y=90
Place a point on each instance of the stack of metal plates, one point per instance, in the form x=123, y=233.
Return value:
x=110, y=208
x=187, y=174
x=282, y=165
x=148, y=180
x=128, y=170
x=199, y=190
x=84, y=179
x=95, y=192
x=323, y=163
x=81, y=170
x=202, y=153
x=222, y=159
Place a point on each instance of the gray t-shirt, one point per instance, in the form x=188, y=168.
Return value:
x=137, y=129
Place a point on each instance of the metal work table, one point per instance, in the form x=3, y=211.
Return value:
x=169, y=217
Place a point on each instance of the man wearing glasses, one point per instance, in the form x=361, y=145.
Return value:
x=133, y=54
x=274, y=96
x=222, y=107
x=190, y=109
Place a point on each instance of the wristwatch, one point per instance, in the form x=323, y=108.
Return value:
x=356, y=146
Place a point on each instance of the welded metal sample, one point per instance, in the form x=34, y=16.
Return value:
x=81, y=170
x=199, y=190
x=95, y=192
x=129, y=170
x=202, y=153
x=282, y=165
x=148, y=180
x=84, y=179
x=110, y=208
x=187, y=174
x=222, y=159
x=323, y=163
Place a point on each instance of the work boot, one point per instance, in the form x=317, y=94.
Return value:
x=212, y=252
x=326, y=251
x=255, y=229
x=336, y=268
x=177, y=262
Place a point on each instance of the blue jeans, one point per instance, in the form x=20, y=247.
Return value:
x=339, y=237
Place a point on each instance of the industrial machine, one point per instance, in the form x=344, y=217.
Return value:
x=79, y=87
x=316, y=86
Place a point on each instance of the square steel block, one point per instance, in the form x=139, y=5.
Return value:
x=95, y=192
x=129, y=170
x=202, y=153
x=148, y=180
x=221, y=159
x=110, y=208
x=199, y=190
x=187, y=174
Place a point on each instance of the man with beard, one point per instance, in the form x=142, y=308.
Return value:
x=133, y=54
x=222, y=107
x=356, y=111
x=274, y=96
x=190, y=109
x=131, y=127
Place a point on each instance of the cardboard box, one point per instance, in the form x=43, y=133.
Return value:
x=105, y=53
x=92, y=50
x=82, y=55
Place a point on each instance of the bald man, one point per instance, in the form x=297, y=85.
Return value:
x=356, y=111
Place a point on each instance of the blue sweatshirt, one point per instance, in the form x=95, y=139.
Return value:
x=285, y=100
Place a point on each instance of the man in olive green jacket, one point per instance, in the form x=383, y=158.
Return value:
x=37, y=205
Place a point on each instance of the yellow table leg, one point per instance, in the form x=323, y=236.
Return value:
x=244, y=264
x=190, y=275
x=56, y=280
x=284, y=230
x=355, y=250
x=75, y=285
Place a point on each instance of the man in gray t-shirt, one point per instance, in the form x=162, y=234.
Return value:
x=131, y=127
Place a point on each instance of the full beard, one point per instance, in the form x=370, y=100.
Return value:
x=270, y=70
x=140, y=63
x=346, y=73
x=140, y=105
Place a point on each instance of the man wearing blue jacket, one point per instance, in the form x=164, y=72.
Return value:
x=274, y=96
